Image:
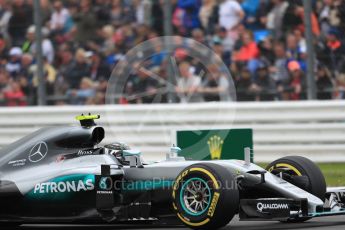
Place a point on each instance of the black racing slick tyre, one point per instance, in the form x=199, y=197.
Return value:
x=205, y=196
x=315, y=182
x=7, y=225
x=302, y=173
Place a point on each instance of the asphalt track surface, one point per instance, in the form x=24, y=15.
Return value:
x=325, y=223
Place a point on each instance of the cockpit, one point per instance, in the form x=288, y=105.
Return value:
x=124, y=154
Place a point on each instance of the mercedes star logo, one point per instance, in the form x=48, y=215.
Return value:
x=38, y=152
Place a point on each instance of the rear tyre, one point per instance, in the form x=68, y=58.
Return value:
x=205, y=196
x=302, y=173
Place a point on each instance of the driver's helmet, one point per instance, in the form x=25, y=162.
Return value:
x=116, y=149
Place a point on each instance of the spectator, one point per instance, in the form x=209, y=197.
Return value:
x=278, y=70
x=340, y=86
x=46, y=11
x=293, y=50
x=248, y=50
x=216, y=85
x=79, y=69
x=5, y=16
x=85, y=92
x=102, y=11
x=26, y=63
x=26, y=88
x=144, y=87
x=324, y=15
x=263, y=15
x=291, y=18
x=159, y=57
x=218, y=49
x=274, y=21
x=190, y=14
x=324, y=84
x=337, y=14
x=334, y=50
x=188, y=84
x=142, y=32
x=142, y=6
x=299, y=13
x=301, y=41
x=117, y=12
x=99, y=69
x=59, y=19
x=86, y=23
x=14, y=95
x=266, y=50
x=208, y=15
x=230, y=14
x=49, y=75
x=13, y=67
x=250, y=7
x=264, y=86
x=4, y=79
x=222, y=37
x=47, y=45
x=66, y=61
x=22, y=17
x=4, y=53
x=199, y=36
x=87, y=38
x=157, y=17
x=297, y=82
x=244, y=86
x=108, y=40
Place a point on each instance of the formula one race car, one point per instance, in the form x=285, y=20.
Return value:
x=61, y=175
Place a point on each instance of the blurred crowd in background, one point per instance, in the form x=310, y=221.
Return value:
x=261, y=42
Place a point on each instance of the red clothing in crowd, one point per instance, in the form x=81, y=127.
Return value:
x=15, y=98
x=314, y=24
x=334, y=45
x=295, y=83
x=247, y=52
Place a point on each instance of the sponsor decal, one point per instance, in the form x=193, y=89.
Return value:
x=38, y=152
x=260, y=206
x=17, y=163
x=213, y=205
x=215, y=144
x=64, y=186
x=84, y=152
x=104, y=192
x=177, y=182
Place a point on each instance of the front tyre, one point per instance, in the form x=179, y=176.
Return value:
x=205, y=196
x=302, y=173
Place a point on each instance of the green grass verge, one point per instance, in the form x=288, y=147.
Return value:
x=334, y=173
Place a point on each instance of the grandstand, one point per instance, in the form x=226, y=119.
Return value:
x=262, y=43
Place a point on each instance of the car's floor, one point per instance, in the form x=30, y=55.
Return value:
x=326, y=223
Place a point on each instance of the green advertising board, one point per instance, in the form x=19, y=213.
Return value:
x=215, y=144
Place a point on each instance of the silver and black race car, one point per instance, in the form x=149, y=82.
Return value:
x=62, y=175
